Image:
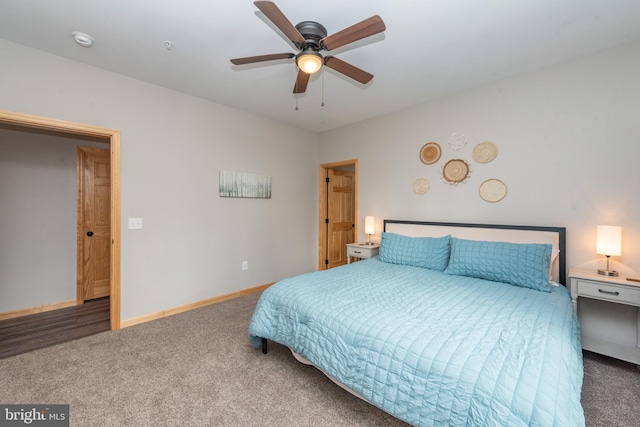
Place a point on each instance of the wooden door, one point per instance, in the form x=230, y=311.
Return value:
x=94, y=223
x=340, y=214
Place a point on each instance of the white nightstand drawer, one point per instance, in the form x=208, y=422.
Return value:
x=609, y=292
x=361, y=251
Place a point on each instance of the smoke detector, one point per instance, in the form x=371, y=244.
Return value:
x=82, y=39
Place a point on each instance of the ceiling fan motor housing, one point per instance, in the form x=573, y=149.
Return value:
x=312, y=32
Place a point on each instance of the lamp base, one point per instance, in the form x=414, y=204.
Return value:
x=612, y=273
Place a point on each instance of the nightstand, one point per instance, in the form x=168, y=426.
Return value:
x=608, y=311
x=361, y=251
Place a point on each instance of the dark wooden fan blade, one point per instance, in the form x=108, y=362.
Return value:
x=261, y=58
x=301, y=82
x=276, y=16
x=347, y=69
x=361, y=30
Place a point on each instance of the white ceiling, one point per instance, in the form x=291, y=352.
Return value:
x=431, y=48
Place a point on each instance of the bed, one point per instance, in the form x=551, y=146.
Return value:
x=451, y=324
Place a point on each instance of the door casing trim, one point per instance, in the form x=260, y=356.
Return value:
x=113, y=135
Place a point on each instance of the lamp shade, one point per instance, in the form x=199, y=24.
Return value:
x=369, y=225
x=609, y=240
x=310, y=63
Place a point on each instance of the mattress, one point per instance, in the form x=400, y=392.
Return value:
x=432, y=348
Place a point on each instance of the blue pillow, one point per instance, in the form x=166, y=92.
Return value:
x=519, y=264
x=425, y=252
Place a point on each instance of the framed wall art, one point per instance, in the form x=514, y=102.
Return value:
x=245, y=185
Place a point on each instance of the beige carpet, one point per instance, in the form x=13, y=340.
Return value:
x=198, y=369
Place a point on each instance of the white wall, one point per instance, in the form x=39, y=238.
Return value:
x=569, y=141
x=173, y=145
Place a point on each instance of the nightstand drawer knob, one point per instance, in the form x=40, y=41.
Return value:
x=608, y=292
x=357, y=252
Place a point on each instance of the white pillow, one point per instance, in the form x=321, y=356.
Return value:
x=554, y=255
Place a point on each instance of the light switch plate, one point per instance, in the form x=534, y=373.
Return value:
x=135, y=223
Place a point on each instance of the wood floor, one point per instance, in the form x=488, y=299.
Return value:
x=35, y=331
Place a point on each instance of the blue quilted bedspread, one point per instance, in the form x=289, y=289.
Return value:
x=433, y=349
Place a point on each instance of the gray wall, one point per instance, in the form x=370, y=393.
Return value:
x=569, y=144
x=37, y=218
x=173, y=146
x=568, y=140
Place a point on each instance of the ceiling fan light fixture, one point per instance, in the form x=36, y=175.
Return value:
x=309, y=62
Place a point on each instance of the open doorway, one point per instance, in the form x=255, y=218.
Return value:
x=35, y=123
x=338, y=210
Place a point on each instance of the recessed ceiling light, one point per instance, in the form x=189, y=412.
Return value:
x=82, y=39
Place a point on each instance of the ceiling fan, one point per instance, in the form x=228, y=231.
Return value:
x=310, y=38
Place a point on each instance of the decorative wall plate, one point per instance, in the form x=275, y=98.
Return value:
x=430, y=153
x=485, y=152
x=456, y=171
x=421, y=186
x=458, y=140
x=492, y=190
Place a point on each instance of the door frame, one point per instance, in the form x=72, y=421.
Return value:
x=71, y=128
x=322, y=203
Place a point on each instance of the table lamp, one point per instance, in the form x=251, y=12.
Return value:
x=369, y=227
x=609, y=243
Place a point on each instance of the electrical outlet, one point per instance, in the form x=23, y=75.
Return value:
x=245, y=265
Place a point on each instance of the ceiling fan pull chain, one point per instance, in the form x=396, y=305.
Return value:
x=322, y=104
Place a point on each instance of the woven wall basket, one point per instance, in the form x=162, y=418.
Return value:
x=492, y=190
x=421, y=186
x=430, y=153
x=485, y=152
x=456, y=171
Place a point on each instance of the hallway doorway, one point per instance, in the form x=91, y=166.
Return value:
x=39, y=124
